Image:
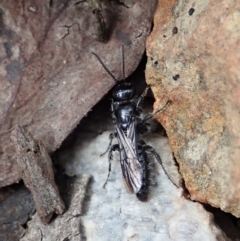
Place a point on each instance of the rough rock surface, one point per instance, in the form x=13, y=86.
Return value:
x=15, y=210
x=115, y=214
x=193, y=60
x=49, y=77
x=36, y=170
x=66, y=226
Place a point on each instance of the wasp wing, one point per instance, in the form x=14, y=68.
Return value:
x=131, y=168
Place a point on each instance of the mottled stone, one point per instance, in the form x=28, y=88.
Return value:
x=36, y=170
x=193, y=60
x=66, y=226
x=15, y=210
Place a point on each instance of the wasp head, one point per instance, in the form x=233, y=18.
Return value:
x=124, y=91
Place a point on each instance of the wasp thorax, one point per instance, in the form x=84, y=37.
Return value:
x=124, y=91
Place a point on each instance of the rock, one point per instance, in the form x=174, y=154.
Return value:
x=36, y=170
x=193, y=60
x=66, y=226
x=49, y=76
x=15, y=210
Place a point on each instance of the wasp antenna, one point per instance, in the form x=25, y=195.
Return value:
x=105, y=67
x=123, y=63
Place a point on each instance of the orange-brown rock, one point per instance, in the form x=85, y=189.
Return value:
x=193, y=60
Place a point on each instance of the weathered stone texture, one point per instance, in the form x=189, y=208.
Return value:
x=35, y=167
x=15, y=210
x=66, y=226
x=193, y=60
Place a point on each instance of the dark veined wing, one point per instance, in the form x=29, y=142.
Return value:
x=131, y=168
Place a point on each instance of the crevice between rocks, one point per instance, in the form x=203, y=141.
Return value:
x=228, y=223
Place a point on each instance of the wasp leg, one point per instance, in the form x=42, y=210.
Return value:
x=140, y=97
x=138, y=100
x=110, y=156
x=151, y=151
x=150, y=116
x=111, y=136
x=142, y=126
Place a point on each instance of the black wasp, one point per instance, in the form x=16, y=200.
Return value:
x=134, y=152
